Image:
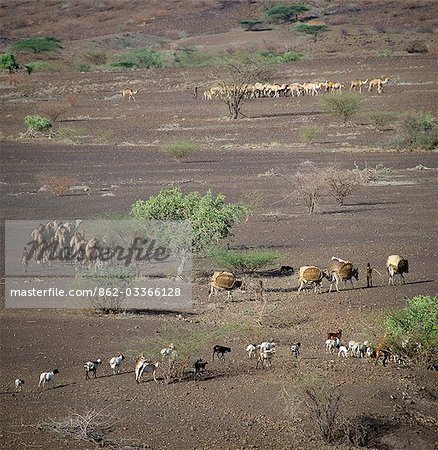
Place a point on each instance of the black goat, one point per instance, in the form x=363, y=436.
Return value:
x=199, y=367
x=220, y=351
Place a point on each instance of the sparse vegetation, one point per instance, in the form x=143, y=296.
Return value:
x=243, y=261
x=309, y=184
x=310, y=133
x=55, y=111
x=272, y=57
x=250, y=24
x=313, y=29
x=43, y=66
x=180, y=149
x=344, y=105
x=419, y=132
x=38, y=45
x=135, y=59
x=212, y=219
x=385, y=53
x=95, y=57
x=417, y=46
x=58, y=184
x=380, y=119
x=413, y=330
x=37, y=126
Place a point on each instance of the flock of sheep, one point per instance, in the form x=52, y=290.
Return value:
x=260, y=90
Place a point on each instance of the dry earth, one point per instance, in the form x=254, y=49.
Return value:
x=117, y=155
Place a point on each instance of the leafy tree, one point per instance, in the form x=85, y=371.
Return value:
x=344, y=105
x=38, y=44
x=8, y=62
x=243, y=261
x=314, y=30
x=285, y=13
x=233, y=79
x=211, y=218
x=250, y=24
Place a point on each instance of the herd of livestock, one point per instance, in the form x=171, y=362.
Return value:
x=263, y=90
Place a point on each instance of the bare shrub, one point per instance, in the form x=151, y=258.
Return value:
x=309, y=185
x=55, y=111
x=58, y=184
x=324, y=408
x=417, y=46
x=90, y=426
x=369, y=174
x=95, y=57
x=342, y=183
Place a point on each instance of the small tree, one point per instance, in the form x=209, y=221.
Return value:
x=233, y=79
x=344, y=105
x=38, y=45
x=250, y=24
x=285, y=13
x=8, y=62
x=314, y=30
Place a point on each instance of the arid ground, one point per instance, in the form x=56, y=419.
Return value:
x=115, y=154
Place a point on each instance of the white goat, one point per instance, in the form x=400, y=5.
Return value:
x=265, y=357
x=295, y=349
x=251, y=349
x=142, y=365
x=343, y=351
x=91, y=366
x=169, y=352
x=331, y=344
x=48, y=377
x=115, y=363
x=18, y=384
x=267, y=346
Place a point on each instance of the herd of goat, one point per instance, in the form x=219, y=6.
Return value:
x=263, y=353
x=264, y=90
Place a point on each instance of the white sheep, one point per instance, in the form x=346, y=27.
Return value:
x=18, y=384
x=48, y=377
x=115, y=363
x=169, y=352
x=265, y=357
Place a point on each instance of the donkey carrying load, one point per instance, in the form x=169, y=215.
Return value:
x=224, y=281
x=312, y=275
x=342, y=271
x=396, y=264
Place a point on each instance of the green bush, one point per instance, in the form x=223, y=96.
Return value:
x=43, y=66
x=38, y=123
x=211, y=218
x=190, y=57
x=270, y=56
x=314, y=30
x=415, y=324
x=385, y=53
x=146, y=57
x=285, y=13
x=8, y=62
x=310, y=133
x=38, y=44
x=420, y=131
x=380, y=119
x=344, y=105
x=180, y=149
x=83, y=67
x=243, y=261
